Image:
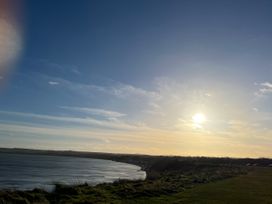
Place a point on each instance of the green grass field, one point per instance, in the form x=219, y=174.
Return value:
x=255, y=188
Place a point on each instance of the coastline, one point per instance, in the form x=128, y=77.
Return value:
x=148, y=163
x=165, y=175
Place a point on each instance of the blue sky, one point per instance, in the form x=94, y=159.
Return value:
x=129, y=76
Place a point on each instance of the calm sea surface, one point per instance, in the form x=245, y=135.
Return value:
x=24, y=172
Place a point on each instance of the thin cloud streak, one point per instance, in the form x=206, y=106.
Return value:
x=115, y=124
x=116, y=89
x=265, y=88
x=96, y=111
x=53, y=83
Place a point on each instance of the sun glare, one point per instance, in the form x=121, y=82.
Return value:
x=198, y=119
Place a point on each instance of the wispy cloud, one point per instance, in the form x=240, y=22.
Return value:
x=264, y=88
x=56, y=67
x=113, y=124
x=85, y=139
x=53, y=83
x=116, y=89
x=125, y=90
x=134, y=117
x=96, y=111
x=267, y=85
x=75, y=71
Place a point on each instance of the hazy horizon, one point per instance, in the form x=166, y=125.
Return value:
x=189, y=78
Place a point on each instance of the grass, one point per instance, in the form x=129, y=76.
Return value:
x=252, y=188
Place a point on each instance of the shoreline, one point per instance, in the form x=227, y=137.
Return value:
x=147, y=163
x=165, y=176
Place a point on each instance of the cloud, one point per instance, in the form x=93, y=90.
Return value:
x=145, y=117
x=96, y=111
x=53, y=83
x=125, y=90
x=75, y=71
x=255, y=109
x=57, y=131
x=56, y=67
x=81, y=139
x=264, y=88
x=116, y=89
x=160, y=106
x=267, y=85
x=87, y=121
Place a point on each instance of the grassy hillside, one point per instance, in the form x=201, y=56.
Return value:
x=252, y=188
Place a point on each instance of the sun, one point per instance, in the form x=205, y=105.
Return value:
x=198, y=119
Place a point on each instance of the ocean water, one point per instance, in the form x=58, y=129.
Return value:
x=25, y=172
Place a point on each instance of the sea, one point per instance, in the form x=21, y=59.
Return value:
x=27, y=171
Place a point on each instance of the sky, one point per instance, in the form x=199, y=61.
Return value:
x=162, y=77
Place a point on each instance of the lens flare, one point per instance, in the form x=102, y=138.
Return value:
x=9, y=43
x=10, y=38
